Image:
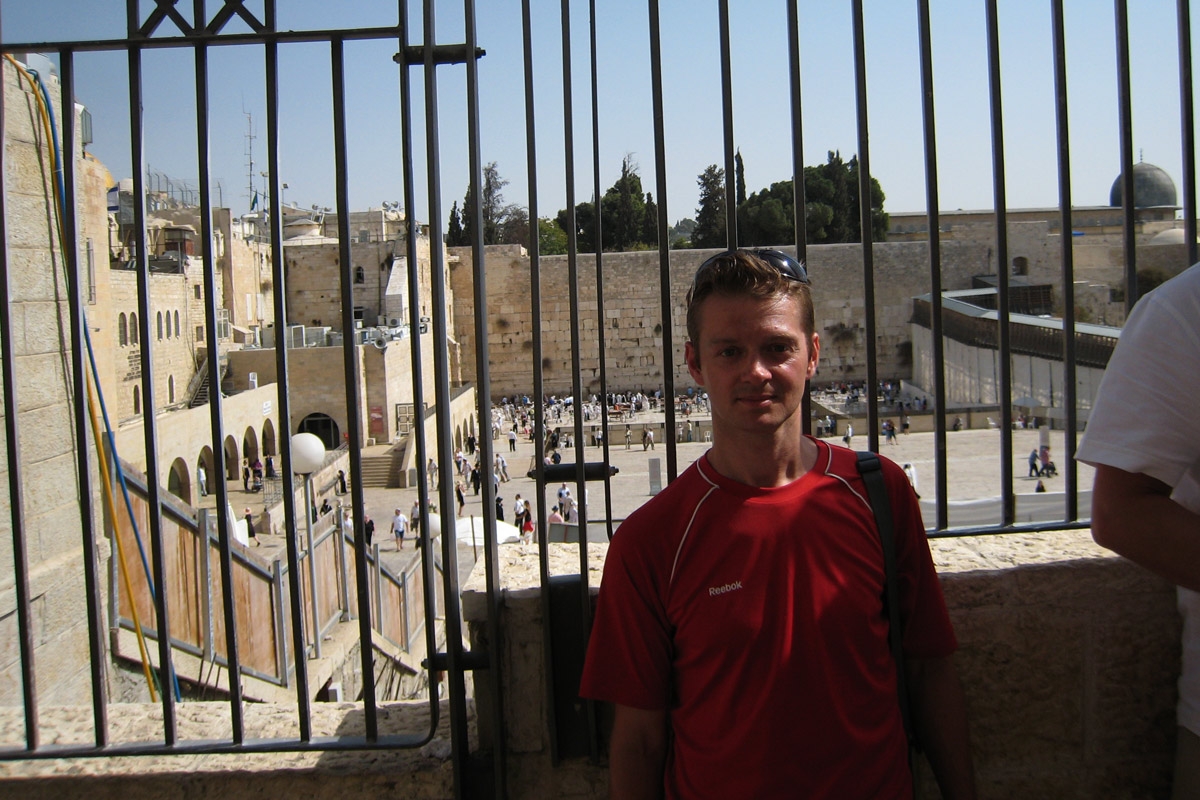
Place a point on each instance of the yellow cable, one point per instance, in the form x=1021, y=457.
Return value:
x=112, y=512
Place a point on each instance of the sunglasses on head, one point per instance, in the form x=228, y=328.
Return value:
x=787, y=266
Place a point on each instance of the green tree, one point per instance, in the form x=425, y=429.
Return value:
x=455, y=235
x=831, y=208
x=492, y=206
x=710, y=213
x=552, y=239
x=649, y=235
x=585, y=226
x=739, y=169
x=628, y=217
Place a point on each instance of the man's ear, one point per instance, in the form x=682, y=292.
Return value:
x=692, y=357
x=814, y=352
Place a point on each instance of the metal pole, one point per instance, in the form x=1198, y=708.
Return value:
x=312, y=566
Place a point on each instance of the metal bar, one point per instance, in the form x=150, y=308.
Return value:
x=1128, y=189
x=283, y=398
x=215, y=414
x=343, y=570
x=1187, y=121
x=573, y=253
x=929, y=118
x=535, y=299
x=441, y=369
x=350, y=359
x=445, y=54
x=78, y=371
x=149, y=411
x=601, y=326
x=1070, y=472
x=1005, y=393
x=16, y=505
x=798, y=198
x=495, y=634
x=666, y=300
x=428, y=570
x=731, y=237
x=281, y=654
x=206, y=611
x=865, y=219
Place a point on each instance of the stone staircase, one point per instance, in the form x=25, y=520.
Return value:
x=200, y=398
x=377, y=472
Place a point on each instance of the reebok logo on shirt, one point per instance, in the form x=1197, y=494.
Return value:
x=713, y=591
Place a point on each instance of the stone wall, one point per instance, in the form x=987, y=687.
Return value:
x=52, y=509
x=973, y=375
x=633, y=316
x=317, y=385
x=173, y=353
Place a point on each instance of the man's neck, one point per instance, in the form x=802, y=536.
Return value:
x=776, y=461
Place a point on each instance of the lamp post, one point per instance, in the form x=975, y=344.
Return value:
x=308, y=455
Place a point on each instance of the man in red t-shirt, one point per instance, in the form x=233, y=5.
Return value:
x=740, y=629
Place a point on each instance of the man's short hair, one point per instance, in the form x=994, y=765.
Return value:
x=742, y=273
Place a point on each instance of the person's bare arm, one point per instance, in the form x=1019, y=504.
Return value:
x=940, y=717
x=1134, y=515
x=637, y=753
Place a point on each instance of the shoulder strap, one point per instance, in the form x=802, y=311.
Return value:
x=871, y=470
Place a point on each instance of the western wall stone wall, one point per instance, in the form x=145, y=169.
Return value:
x=633, y=316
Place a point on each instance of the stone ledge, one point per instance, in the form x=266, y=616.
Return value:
x=424, y=772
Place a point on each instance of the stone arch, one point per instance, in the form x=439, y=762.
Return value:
x=160, y=332
x=122, y=331
x=270, y=447
x=324, y=427
x=134, y=334
x=250, y=445
x=177, y=324
x=170, y=389
x=137, y=400
x=179, y=482
x=233, y=462
x=206, y=461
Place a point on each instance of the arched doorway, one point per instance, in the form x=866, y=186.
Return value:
x=270, y=449
x=205, y=462
x=233, y=463
x=250, y=445
x=324, y=428
x=179, y=483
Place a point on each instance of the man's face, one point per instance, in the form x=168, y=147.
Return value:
x=753, y=359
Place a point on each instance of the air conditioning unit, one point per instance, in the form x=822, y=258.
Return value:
x=394, y=322
x=295, y=336
x=315, y=337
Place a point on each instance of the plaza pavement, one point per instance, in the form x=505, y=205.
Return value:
x=973, y=457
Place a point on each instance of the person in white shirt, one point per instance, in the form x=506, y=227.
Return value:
x=1144, y=442
x=399, y=528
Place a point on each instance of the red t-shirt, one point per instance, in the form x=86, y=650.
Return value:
x=755, y=617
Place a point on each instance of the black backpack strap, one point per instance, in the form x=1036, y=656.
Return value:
x=871, y=470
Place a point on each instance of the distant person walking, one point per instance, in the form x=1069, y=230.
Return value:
x=399, y=528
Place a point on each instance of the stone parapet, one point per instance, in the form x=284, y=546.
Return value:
x=1068, y=655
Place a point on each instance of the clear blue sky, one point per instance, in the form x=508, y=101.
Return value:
x=692, y=89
